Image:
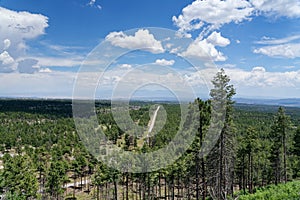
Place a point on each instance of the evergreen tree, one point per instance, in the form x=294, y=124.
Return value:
x=55, y=179
x=19, y=176
x=224, y=153
x=279, y=145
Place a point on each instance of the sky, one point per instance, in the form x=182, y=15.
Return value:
x=140, y=48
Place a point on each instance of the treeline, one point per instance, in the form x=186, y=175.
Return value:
x=44, y=158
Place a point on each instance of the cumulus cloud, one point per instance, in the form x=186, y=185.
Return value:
x=15, y=29
x=142, y=39
x=206, y=49
x=6, y=44
x=6, y=59
x=203, y=50
x=215, y=13
x=164, y=62
x=210, y=15
x=7, y=63
x=21, y=25
x=287, y=8
x=217, y=40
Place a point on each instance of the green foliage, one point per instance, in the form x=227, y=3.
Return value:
x=42, y=136
x=14, y=196
x=19, y=177
x=289, y=191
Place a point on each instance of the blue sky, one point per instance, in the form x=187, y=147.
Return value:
x=45, y=44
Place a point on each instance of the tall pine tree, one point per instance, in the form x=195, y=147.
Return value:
x=224, y=152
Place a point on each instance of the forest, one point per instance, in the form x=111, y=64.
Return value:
x=257, y=155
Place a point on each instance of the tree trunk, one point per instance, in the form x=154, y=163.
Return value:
x=116, y=190
x=197, y=177
x=165, y=186
x=284, y=158
x=203, y=179
x=243, y=175
x=98, y=193
x=159, y=184
x=127, y=188
x=250, y=178
x=220, y=186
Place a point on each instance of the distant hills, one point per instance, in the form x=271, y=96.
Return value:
x=288, y=102
x=291, y=102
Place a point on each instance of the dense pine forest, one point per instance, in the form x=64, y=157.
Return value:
x=257, y=153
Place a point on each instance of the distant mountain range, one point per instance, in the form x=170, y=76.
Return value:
x=292, y=102
x=289, y=102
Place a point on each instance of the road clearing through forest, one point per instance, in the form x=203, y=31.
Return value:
x=153, y=120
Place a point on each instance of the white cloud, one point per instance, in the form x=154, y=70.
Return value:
x=15, y=29
x=288, y=47
x=206, y=49
x=6, y=59
x=227, y=65
x=289, y=67
x=290, y=50
x=210, y=15
x=217, y=40
x=258, y=69
x=92, y=2
x=45, y=70
x=6, y=43
x=7, y=63
x=238, y=41
x=142, y=39
x=260, y=77
x=164, y=62
x=215, y=13
x=126, y=66
x=21, y=25
x=203, y=50
x=287, y=8
x=271, y=41
x=70, y=61
x=257, y=82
